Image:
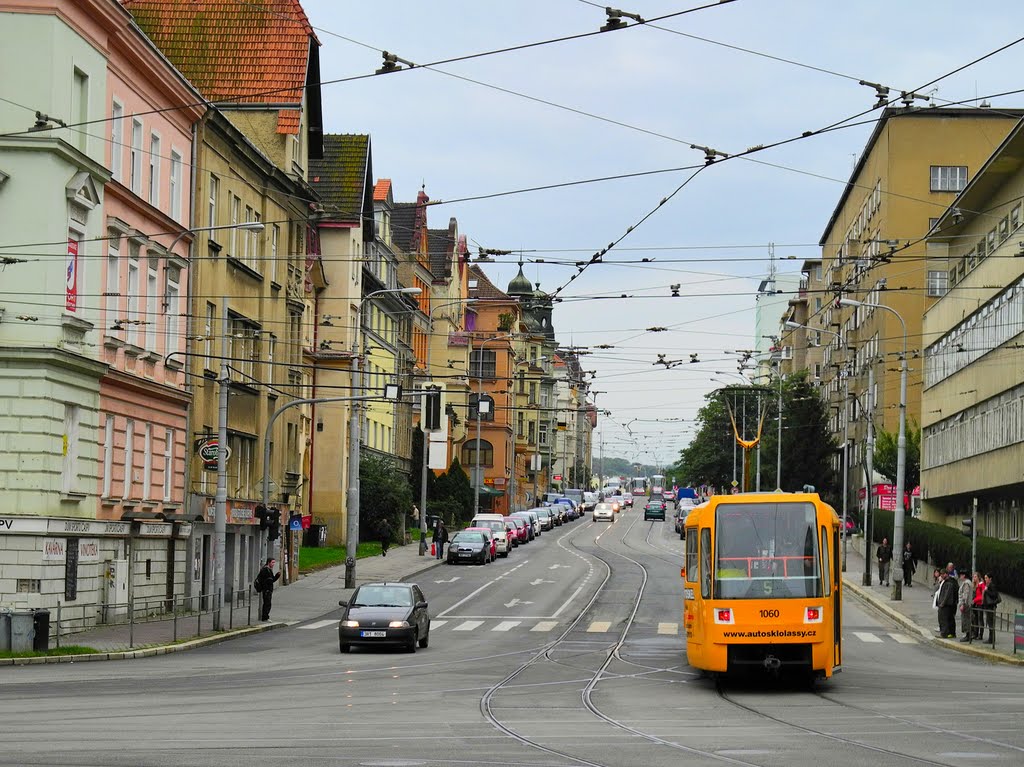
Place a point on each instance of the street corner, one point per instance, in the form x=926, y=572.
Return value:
x=873, y=600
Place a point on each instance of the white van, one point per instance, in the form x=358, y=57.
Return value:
x=486, y=518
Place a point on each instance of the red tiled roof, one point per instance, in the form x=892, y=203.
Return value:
x=288, y=121
x=249, y=51
x=484, y=288
x=380, y=191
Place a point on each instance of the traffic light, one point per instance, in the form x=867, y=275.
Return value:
x=432, y=408
x=274, y=524
x=968, y=527
x=260, y=512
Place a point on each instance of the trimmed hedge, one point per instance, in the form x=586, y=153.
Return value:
x=931, y=542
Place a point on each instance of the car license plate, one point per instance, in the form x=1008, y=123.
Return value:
x=373, y=634
x=465, y=553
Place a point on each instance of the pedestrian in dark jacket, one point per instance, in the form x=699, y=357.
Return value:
x=264, y=584
x=384, y=535
x=909, y=566
x=946, y=602
x=884, y=556
x=439, y=539
x=989, y=600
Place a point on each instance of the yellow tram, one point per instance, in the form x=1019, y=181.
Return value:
x=763, y=585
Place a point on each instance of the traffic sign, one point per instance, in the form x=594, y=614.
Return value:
x=735, y=483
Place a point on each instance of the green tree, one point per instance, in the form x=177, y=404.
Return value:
x=886, y=454
x=452, y=492
x=384, y=495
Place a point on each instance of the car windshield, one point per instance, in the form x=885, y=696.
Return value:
x=383, y=596
x=465, y=537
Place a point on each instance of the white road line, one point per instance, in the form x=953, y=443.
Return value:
x=903, y=638
x=566, y=602
x=668, y=628
x=506, y=625
x=598, y=627
x=468, y=625
x=477, y=591
x=436, y=624
x=866, y=637
x=545, y=626
x=320, y=624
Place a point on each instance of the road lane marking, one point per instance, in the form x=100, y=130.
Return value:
x=477, y=591
x=866, y=637
x=599, y=626
x=320, y=624
x=668, y=628
x=903, y=638
x=545, y=626
x=436, y=624
x=468, y=625
x=506, y=625
x=567, y=601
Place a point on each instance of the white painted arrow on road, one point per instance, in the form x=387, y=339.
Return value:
x=450, y=580
x=515, y=602
x=539, y=581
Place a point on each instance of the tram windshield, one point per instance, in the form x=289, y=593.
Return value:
x=766, y=551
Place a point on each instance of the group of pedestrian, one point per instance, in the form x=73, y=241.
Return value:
x=907, y=563
x=973, y=597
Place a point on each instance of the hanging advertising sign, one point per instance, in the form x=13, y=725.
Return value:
x=71, y=298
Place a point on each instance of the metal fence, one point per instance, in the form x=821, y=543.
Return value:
x=149, y=621
x=989, y=626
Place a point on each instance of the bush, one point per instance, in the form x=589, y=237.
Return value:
x=939, y=544
x=450, y=510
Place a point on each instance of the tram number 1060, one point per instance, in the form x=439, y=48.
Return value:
x=769, y=613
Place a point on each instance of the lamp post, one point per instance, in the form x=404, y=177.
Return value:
x=901, y=444
x=426, y=437
x=354, y=438
x=220, y=504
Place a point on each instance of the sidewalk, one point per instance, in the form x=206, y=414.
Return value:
x=311, y=596
x=915, y=612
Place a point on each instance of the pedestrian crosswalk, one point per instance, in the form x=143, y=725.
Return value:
x=534, y=625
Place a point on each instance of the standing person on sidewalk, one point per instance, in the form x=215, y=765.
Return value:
x=264, y=584
x=884, y=556
x=947, y=606
x=977, y=603
x=989, y=600
x=439, y=539
x=909, y=566
x=965, y=595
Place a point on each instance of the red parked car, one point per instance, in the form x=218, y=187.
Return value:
x=520, y=530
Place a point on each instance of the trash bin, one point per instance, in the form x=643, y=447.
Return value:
x=41, y=625
x=22, y=630
x=5, y=630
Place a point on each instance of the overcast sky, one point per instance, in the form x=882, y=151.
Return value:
x=466, y=139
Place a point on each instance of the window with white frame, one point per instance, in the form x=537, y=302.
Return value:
x=172, y=307
x=211, y=315
x=154, y=170
x=243, y=346
x=108, y=456
x=113, y=292
x=254, y=245
x=175, y=185
x=275, y=235
x=69, y=469
x=168, y=464
x=80, y=107
x=129, y=457
x=211, y=204
x=242, y=450
x=247, y=253
x=117, y=141
x=135, y=158
x=132, y=306
x=236, y=206
x=152, y=305
x=269, y=377
x=938, y=282
x=948, y=178
x=147, y=461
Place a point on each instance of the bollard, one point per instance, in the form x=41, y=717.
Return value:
x=249, y=594
x=57, y=639
x=131, y=624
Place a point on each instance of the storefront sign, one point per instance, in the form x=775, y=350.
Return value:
x=155, y=530
x=185, y=530
x=54, y=549
x=85, y=527
x=22, y=525
x=240, y=515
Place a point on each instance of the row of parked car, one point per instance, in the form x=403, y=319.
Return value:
x=490, y=536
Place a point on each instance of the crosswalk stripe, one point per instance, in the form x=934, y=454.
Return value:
x=545, y=626
x=866, y=637
x=506, y=625
x=598, y=627
x=468, y=625
x=903, y=638
x=320, y=624
x=436, y=624
x=668, y=628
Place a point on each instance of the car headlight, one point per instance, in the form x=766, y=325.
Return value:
x=350, y=624
x=398, y=625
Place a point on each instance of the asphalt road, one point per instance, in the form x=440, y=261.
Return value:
x=569, y=652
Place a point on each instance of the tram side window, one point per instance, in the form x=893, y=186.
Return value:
x=705, y=563
x=825, y=568
x=691, y=559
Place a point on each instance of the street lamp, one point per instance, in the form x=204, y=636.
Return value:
x=901, y=444
x=426, y=437
x=220, y=513
x=352, y=497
